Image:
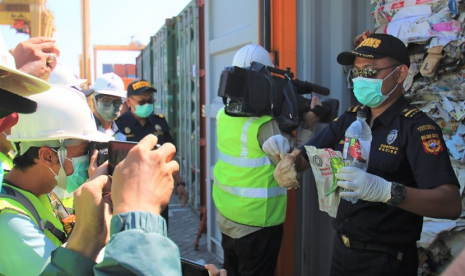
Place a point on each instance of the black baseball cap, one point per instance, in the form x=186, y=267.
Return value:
x=139, y=86
x=377, y=46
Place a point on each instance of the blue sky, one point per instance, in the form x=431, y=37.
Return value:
x=112, y=22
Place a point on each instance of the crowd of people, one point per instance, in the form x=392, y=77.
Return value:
x=50, y=171
x=62, y=213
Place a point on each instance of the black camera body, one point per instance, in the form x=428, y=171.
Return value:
x=254, y=91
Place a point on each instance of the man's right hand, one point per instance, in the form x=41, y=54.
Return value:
x=276, y=145
x=34, y=56
x=144, y=180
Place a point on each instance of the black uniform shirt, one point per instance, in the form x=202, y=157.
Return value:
x=407, y=148
x=134, y=131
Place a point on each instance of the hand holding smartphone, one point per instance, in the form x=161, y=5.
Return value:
x=191, y=268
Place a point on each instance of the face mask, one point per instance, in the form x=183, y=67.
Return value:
x=108, y=113
x=143, y=111
x=368, y=91
x=80, y=174
x=74, y=181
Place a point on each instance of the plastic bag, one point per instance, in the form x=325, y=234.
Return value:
x=325, y=163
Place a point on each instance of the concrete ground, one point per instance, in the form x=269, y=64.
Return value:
x=183, y=227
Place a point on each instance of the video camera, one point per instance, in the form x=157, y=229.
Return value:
x=254, y=91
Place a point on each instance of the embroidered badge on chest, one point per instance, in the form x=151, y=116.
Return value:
x=127, y=130
x=158, y=128
x=392, y=136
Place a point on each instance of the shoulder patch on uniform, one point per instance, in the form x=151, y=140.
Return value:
x=160, y=116
x=410, y=112
x=116, y=119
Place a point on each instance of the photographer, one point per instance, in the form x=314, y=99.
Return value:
x=50, y=155
x=251, y=206
x=138, y=244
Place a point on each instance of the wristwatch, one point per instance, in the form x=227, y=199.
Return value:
x=397, y=194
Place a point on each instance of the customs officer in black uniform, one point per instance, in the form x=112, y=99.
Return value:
x=139, y=121
x=409, y=174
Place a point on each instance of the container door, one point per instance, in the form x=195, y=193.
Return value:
x=229, y=25
x=324, y=29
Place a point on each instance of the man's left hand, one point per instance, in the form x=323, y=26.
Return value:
x=363, y=185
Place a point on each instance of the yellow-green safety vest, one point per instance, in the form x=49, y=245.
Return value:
x=39, y=209
x=7, y=160
x=244, y=189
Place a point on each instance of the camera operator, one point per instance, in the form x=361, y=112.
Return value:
x=251, y=205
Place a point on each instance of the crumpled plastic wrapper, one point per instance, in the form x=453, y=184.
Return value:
x=324, y=164
x=285, y=173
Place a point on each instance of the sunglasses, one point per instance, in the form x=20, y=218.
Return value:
x=150, y=100
x=107, y=102
x=367, y=72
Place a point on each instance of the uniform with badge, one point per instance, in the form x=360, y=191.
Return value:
x=156, y=124
x=129, y=125
x=409, y=172
x=407, y=148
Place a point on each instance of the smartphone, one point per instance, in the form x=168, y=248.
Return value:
x=117, y=151
x=102, y=148
x=191, y=268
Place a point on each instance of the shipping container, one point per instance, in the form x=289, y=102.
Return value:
x=171, y=64
x=119, y=70
x=147, y=63
x=139, y=67
x=164, y=54
x=107, y=68
x=130, y=70
x=187, y=61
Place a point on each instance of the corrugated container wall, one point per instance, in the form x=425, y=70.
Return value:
x=139, y=65
x=147, y=63
x=324, y=29
x=170, y=63
x=188, y=99
x=164, y=57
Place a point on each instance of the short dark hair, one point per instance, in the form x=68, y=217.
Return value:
x=27, y=159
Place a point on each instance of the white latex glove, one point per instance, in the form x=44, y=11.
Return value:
x=276, y=145
x=363, y=185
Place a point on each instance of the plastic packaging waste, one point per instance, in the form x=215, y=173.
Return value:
x=357, y=145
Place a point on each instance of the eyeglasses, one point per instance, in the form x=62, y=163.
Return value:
x=150, y=100
x=107, y=102
x=367, y=72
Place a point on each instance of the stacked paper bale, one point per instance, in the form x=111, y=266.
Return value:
x=434, y=31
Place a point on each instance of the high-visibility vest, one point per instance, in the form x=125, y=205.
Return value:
x=244, y=189
x=39, y=209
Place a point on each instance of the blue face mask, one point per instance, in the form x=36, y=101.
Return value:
x=368, y=91
x=144, y=111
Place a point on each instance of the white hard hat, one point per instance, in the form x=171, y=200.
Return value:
x=249, y=53
x=110, y=84
x=62, y=75
x=62, y=113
